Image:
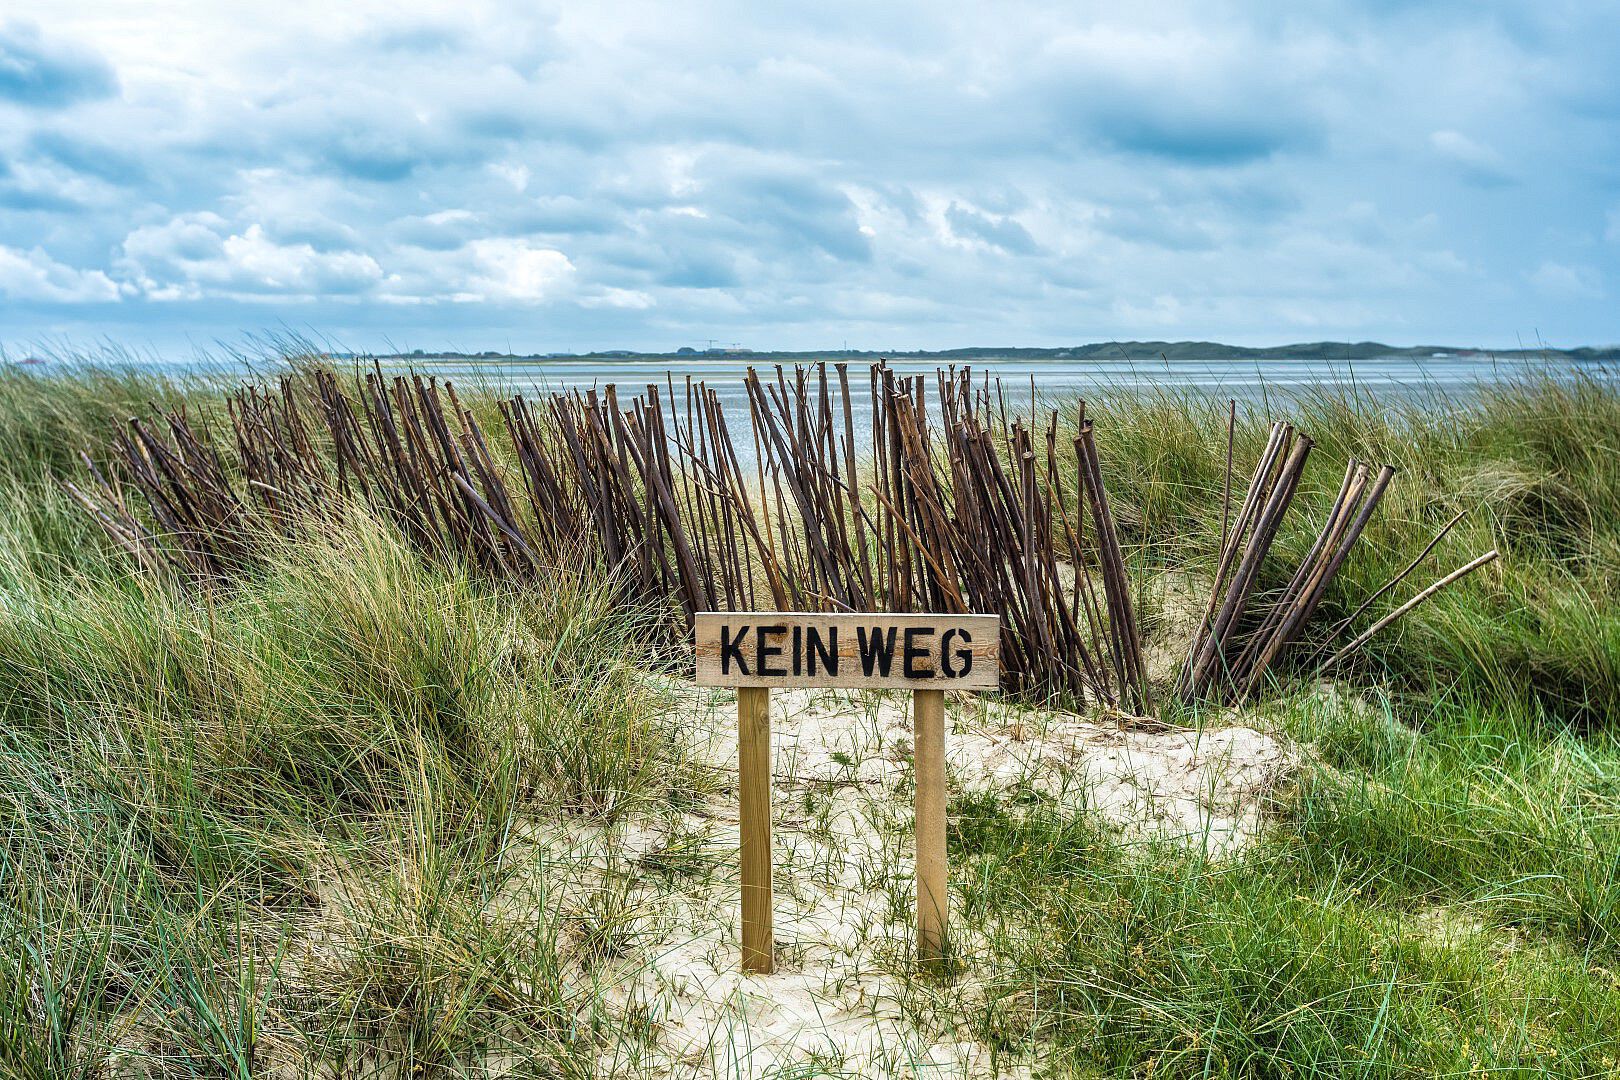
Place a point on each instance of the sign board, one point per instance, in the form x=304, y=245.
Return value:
x=895, y=652
x=926, y=654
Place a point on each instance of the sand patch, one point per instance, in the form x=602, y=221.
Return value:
x=843, y=873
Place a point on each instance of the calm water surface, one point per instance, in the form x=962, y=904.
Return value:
x=1221, y=378
x=1054, y=381
x=1257, y=383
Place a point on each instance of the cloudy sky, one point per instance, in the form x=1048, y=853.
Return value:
x=547, y=177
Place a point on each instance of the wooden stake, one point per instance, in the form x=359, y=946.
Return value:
x=754, y=790
x=928, y=719
x=1461, y=571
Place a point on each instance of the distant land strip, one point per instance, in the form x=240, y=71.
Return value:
x=1133, y=351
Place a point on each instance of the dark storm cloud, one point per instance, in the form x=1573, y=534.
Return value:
x=1003, y=233
x=1200, y=139
x=45, y=72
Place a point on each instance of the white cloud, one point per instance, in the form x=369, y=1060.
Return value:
x=513, y=269
x=1565, y=281
x=196, y=255
x=516, y=175
x=34, y=275
x=624, y=299
x=296, y=268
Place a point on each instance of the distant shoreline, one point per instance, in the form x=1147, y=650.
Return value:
x=1132, y=351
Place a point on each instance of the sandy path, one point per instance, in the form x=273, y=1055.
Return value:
x=843, y=873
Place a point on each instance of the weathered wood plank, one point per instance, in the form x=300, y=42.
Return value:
x=754, y=772
x=928, y=723
x=910, y=652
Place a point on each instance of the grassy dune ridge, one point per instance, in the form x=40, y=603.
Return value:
x=1534, y=464
x=320, y=822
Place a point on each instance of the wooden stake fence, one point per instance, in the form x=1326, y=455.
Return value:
x=954, y=507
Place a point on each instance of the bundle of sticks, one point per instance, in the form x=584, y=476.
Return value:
x=1243, y=636
x=950, y=506
x=955, y=509
x=960, y=515
x=198, y=520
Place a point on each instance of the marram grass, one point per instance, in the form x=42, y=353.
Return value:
x=317, y=823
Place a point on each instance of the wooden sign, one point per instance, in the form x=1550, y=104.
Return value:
x=926, y=654
x=897, y=652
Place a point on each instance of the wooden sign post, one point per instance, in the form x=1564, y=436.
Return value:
x=926, y=654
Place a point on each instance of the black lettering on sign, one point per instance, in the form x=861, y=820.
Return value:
x=731, y=649
x=826, y=653
x=853, y=649
x=950, y=670
x=875, y=649
x=915, y=652
x=764, y=652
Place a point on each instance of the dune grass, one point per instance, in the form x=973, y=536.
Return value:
x=290, y=822
x=1274, y=963
x=1531, y=461
x=352, y=739
x=317, y=822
